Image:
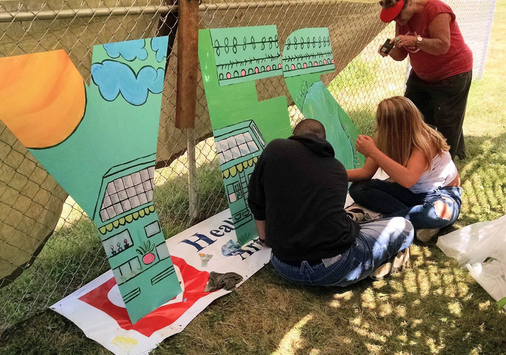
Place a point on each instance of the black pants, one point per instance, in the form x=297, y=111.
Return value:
x=443, y=105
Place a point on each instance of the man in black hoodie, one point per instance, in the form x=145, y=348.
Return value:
x=297, y=194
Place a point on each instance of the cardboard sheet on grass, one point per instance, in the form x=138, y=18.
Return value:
x=97, y=308
x=481, y=248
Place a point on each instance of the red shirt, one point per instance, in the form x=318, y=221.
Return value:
x=429, y=67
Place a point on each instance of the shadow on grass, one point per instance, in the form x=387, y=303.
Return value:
x=72, y=257
x=483, y=176
x=433, y=307
x=172, y=200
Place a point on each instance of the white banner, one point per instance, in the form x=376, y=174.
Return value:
x=98, y=309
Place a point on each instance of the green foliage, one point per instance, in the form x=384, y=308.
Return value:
x=361, y=72
x=364, y=120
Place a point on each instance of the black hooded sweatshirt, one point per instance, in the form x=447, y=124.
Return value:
x=299, y=189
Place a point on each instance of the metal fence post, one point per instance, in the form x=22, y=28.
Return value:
x=192, y=174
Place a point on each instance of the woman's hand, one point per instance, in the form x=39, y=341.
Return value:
x=365, y=145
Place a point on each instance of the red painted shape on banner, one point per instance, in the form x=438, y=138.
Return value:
x=194, y=284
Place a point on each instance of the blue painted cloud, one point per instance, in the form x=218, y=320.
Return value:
x=114, y=78
x=159, y=45
x=130, y=50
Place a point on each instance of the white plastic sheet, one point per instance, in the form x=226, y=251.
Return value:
x=481, y=247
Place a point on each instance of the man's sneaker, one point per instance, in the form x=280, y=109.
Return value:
x=371, y=215
x=400, y=261
x=361, y=214
x=396, y=264
x=382, y=272
x=425, y=235
x=355, y=213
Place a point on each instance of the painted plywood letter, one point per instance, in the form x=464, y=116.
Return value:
x=99, y=143
x=231, y=59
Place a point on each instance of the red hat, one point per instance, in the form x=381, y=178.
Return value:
x=392, y=12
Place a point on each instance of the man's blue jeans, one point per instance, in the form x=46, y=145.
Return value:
x=376, y=243
x=392, y=199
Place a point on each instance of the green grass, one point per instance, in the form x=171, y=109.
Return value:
x=74, y=256
x=434, y=307
x=172, y=200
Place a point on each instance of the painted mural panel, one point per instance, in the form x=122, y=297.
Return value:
x=99, y=143
x=242, y=125
x=238, y=148
x=245, y=55
x=231, y=59
x=307, y=55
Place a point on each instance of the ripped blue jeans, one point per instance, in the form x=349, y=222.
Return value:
x=392, y=200
x=377, y=242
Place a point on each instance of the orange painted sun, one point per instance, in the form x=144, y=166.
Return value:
x=42, y=97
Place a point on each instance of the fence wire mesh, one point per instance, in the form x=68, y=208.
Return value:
x=49, y=247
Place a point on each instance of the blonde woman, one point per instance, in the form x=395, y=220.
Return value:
x=423, y=184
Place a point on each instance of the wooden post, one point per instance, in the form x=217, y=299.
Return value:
x=187, y=63
x=186, y=98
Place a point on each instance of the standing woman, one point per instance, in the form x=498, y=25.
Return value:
x=441, y=61
x=424, y=184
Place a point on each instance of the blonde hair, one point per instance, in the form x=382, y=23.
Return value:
x=400, y=130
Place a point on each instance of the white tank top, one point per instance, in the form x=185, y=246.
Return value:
x=442, y=172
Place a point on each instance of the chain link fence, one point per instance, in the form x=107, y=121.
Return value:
x=49, y=248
